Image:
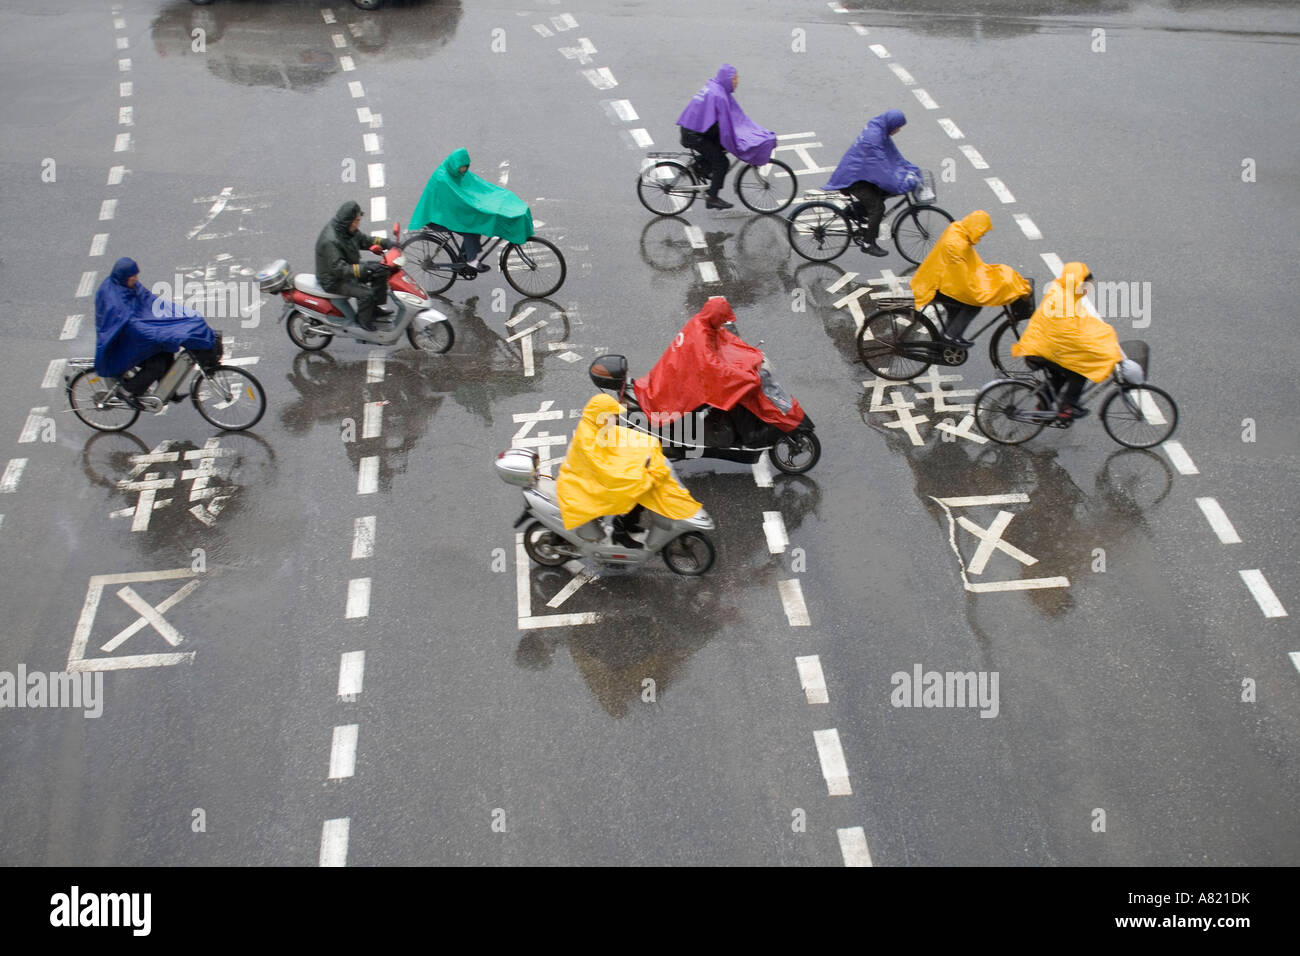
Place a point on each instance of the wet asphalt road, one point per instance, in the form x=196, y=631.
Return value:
x=480, y=739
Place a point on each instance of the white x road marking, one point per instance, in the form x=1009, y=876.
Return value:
x=150, y=616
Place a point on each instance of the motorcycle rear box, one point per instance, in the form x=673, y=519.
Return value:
x=516, y=466
x=274, y=277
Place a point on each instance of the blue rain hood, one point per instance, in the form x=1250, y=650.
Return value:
x=873, y=157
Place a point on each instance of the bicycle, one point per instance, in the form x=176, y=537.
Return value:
x=1135, y=414
x=534, y=268
x=822, y=229
x=899, y=342
x=228, y=397
x=669, y=186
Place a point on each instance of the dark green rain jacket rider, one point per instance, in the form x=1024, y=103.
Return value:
x=338, y=252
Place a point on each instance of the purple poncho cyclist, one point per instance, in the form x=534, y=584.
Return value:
x=714, y=124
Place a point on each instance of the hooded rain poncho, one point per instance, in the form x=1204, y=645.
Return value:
x=740, y=135
x=1061, y=330
x=710, y=365
x=132, y=324
x=954, y=268
x=466, y=202
x=873, y=157
x=610, y=468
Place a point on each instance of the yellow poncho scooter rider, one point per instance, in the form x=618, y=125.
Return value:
x=1072, y=340
x=954, y=276
x=610, y=468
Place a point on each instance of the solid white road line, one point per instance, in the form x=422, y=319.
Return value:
x=13, y=473
x=368, y=475
x=566, y=592
x=372, y=421
x=796, y=612
x=334, y=833
x=1217, y=518
x=1000, y=190
x=363, y=537
x=853, y=846
x=1263, y=594
x=1179, y=457
x=773, y=527
x=352, y=672
x=343, y=752
x=358, y=598
x=811, y=679
x=831, y=755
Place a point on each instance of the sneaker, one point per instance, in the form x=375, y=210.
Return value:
x=714, y=202
x=872, y=249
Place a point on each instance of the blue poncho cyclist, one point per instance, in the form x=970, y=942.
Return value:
x=873, y=169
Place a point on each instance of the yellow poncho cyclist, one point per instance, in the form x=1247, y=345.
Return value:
x=610, y=469
x=955, y=276
x=1070, y=338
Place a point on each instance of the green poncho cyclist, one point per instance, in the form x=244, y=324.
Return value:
x=466, y=203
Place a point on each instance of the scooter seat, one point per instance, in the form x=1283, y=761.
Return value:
x=306, y=282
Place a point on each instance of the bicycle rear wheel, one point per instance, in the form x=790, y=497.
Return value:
x=819, y=231
x=666, y=188
x=534, y=267
x=89, y=395
x=916, y=231
x=229, y=397
x=767, y=189
x=1002, y=411
x=1139, y=416
x=428, y=260
x=896, y=343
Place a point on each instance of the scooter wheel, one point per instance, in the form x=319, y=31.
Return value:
x=796, y=452
x=299, y=328
x=543, y=545
x=691, y=554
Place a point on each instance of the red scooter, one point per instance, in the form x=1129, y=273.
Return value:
x=313, y=316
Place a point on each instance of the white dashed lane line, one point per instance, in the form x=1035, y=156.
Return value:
x=334, y=842
x=1218, y=520
x=1000, y=190
x=363, y=538
x=54, y=373
x=1179, y=457
x=358, y=598
x=86, y=285
x=811, y=679
x=1263, y=594
x=831, y=755
x=368, y=475
x=974, y=156
x=373, y=419
x=951, y=129
x=796, y=612
x=853, y=846
x=352, y=671
x=12, y=474
x=1027, y=226
x=343, y=752
x=773, y=528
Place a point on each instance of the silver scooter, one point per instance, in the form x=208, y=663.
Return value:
x=685, y=547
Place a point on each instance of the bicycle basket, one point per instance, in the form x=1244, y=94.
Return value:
x=924, y=193
x=1021, y=309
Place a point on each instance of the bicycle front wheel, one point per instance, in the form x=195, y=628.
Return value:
x=767, y=189
x=535, y=267
x=428, y=259
x=89, y=395
x=897, y=344
x=666, y=188
x=1004, y=336
x=229, y=398
x=916, y=231
x=1009, y=411
x=1139, y=416
x=819, y=231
